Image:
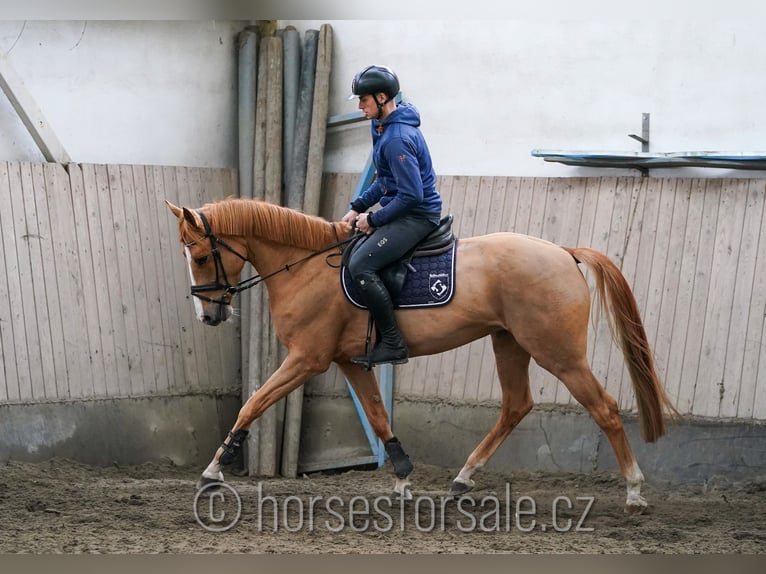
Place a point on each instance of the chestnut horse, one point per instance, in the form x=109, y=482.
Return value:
x=527, y=294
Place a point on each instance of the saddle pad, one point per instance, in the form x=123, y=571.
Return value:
x=432, y=284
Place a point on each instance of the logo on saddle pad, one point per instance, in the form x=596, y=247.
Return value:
x=439, y=284
x=430, y=282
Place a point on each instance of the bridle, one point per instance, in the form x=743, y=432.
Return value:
x=221, y=280
x=222, y=283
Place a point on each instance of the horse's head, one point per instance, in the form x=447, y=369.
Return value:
x=213, y=261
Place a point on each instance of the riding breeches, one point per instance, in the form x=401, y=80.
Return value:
x=387, y=244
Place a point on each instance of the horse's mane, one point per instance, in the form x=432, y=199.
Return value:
x=257, y=218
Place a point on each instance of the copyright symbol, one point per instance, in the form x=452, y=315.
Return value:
x=217, y=507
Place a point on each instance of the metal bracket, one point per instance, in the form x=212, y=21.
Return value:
x=643, y=138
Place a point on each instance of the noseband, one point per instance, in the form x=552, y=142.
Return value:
x=222, y=281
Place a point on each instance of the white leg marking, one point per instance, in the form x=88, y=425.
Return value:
x=635, y=501
x=465, y=474
x=402, y=487
x=213, y=472
x=197, y=302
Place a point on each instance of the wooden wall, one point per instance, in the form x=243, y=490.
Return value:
x=97, y=296
x=693, y=250
x=95, y=289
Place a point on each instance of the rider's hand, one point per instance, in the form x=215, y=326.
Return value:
x=362, y=224
x=350, y=217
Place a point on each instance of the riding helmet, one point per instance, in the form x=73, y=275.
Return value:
x=375, y=79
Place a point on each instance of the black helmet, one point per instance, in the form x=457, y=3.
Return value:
x=375, y=79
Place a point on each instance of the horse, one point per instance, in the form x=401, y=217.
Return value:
x=528, y=294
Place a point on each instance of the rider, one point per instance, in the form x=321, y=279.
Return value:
x=410, y=205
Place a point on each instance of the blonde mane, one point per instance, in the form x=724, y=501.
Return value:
x=256, y=218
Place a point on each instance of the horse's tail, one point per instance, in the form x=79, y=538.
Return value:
x=627, y=329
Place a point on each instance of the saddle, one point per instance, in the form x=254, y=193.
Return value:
x=440, y=240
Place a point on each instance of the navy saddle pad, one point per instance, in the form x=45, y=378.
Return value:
x=431, y=284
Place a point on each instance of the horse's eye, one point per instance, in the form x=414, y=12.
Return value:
x=201, y=260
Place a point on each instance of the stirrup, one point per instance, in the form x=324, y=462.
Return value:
x=368, y=360
x=362, y=360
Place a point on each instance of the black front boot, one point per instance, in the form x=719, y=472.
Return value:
x=390, y=348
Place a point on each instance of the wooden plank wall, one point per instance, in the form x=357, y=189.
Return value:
x=98, y=302
x=96, y=289
x=693, y=250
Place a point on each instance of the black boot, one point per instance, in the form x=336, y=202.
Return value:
x=390, y=348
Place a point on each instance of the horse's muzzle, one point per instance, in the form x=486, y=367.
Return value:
x=215, y=314
x=210, y=320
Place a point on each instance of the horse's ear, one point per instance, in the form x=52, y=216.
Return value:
x=177, y=211
x=192, y=218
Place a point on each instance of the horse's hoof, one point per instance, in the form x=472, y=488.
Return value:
x=405, y=493
x=634, y=509
x=402, y=488
x=636, y=506
x=208, y=484
x=458, y=487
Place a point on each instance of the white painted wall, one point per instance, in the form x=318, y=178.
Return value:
x=137, y=92
x=490, y=91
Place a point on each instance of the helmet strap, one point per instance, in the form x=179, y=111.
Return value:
x=380, y=106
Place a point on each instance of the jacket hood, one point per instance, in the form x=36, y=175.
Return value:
x=405, y=113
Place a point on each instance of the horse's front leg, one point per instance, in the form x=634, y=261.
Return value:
x=366, y=387
x=294, y=371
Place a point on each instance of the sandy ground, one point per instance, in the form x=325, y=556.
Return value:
x=64, y=507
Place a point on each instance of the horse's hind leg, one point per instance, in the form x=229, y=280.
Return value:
x=586, y=389
x=366, y=387
x=513, y=372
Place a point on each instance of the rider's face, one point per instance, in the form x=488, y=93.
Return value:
x=368, y=106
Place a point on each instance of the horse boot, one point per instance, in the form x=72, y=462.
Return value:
x=390, y=348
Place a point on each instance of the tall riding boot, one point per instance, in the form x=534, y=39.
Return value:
x=390, y=348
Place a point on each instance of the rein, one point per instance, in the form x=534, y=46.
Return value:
x=230, y=290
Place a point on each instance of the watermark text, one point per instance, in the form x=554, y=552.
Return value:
x=219, y=507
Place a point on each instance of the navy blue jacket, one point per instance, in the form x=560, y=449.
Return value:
x=405, y=183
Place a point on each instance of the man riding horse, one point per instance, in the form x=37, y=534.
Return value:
x=411, y=206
